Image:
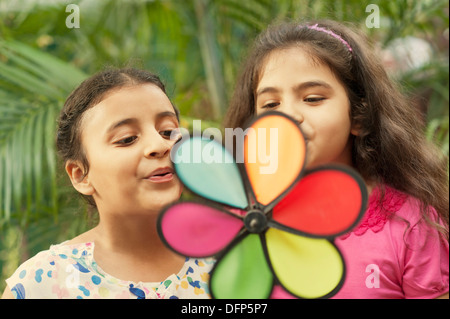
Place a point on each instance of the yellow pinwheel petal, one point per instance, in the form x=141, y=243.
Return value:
x=306, y=267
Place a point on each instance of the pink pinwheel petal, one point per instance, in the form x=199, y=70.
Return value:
x=197, y=230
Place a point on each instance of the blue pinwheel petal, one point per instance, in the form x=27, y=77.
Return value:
x=209, y=170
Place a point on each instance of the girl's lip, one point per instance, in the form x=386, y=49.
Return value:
x=161, y=179
x=161, y=175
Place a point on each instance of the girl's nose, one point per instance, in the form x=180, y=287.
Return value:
x=157, y=147
x=293, y=111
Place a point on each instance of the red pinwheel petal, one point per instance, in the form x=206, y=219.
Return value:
x=197, y=230
x=326, y=202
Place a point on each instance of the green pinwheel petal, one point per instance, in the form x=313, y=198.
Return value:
x=242, y=273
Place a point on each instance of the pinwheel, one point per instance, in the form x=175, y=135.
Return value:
x=269, y=221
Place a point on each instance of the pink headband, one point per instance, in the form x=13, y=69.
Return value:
x=334, y=35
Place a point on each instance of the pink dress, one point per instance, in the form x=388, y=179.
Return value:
x=394, y=257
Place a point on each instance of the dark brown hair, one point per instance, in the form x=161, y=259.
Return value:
x=391, y=147
x=89, y=93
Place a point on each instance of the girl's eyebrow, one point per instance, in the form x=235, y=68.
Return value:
x=300, y=87
x=311, y=84
x=131, y=121
x=166, y=114
x=128, y=121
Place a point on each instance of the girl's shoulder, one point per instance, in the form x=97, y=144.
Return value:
x=43, y=274
x=404, y=248
x=389, y=205
x=382, y=205
x=58, y=255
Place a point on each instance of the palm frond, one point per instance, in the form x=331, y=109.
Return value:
x=33, y=86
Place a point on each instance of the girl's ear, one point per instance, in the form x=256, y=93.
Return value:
x=355, y=129
x=79, y=179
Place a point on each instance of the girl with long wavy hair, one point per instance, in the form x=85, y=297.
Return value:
x=327, y=77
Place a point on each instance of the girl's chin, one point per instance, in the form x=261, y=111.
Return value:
x=157, y=203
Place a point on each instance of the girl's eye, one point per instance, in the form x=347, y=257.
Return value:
x=314, y=99
x=270, y=105
x=173, y=134
x=126, y=141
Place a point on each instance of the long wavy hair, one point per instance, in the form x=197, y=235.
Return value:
x=391, y=148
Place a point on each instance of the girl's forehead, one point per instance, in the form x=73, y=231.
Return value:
x=141, y=101
x=296, y=59
x=300, y=51
x=279, y=56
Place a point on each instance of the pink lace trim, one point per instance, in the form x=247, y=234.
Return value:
x=377, y=214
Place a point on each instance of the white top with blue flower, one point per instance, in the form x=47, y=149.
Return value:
x=70, y=271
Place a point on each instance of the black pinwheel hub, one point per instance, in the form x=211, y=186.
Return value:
x=255, y=221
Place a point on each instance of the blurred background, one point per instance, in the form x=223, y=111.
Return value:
x=47, y=47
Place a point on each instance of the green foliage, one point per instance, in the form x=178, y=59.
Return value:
x=32, y=87
x=196, y=46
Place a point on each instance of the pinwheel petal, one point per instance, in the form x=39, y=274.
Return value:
x=242, y=273
x=279, y=159
x=325, y=202
x=306, y=267
x=209, y=170
x=197, y=230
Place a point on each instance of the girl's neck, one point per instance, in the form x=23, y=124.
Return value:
x=135, y=235
x=130, y=249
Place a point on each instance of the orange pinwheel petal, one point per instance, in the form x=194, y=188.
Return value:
x=274, y=156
